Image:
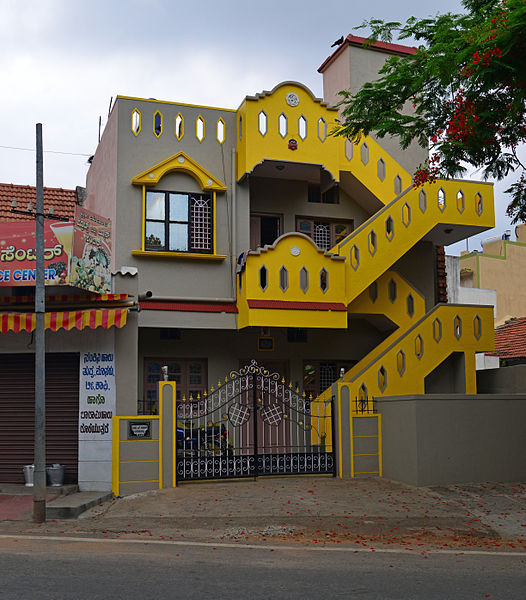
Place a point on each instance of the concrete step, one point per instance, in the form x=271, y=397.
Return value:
x=21, y=489
x=72, y=505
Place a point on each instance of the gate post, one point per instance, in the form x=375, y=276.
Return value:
x=167, y=435
x=255, y=423
x=342, y=416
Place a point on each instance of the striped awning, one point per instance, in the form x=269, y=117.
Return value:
x=75, y=319
x=66, y=298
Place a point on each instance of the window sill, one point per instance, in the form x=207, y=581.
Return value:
x=178, y=255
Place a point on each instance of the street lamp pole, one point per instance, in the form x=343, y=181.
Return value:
x=39, y=481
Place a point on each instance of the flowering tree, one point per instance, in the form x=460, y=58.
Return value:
x=466, y=84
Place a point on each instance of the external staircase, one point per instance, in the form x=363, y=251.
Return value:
x=293, y=284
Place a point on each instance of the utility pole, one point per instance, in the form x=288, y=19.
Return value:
x=39, y=475
x=39, y=487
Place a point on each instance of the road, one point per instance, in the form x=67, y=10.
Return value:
x=46, y=568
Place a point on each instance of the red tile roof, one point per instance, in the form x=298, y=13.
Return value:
x=510, y=338
x=63, y=201
x=356, y=40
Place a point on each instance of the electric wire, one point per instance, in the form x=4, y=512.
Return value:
x=46, y=151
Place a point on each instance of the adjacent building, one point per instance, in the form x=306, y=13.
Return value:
x=499, y=266
x=254, y=233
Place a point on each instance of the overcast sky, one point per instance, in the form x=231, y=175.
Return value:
x=62, y=60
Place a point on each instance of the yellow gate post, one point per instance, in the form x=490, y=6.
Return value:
x=144, y=447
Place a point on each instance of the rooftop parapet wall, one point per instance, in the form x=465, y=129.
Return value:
x=289, y=124
x=269, y=123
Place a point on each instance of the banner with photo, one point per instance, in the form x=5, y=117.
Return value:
x=91, y=254
x=76, y=253
x=17, y=253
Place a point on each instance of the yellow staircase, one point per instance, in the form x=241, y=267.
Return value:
x=429, y=212
x=294, y=284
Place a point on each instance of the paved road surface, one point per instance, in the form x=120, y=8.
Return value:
x=48, y=569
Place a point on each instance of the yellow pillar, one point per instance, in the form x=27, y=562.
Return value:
x=470, y=372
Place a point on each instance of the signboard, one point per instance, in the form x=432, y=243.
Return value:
x=265, y=343
x=91, y=254
x=97, y=393
x=76, y=253
x=139, y=430
x=96, y=410
x=17, y=253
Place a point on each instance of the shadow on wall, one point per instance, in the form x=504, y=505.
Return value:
x=449, y=377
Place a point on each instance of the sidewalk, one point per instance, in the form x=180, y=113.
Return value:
x=368, y=512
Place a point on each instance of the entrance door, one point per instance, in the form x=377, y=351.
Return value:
x=264, y=229
x=253, y=424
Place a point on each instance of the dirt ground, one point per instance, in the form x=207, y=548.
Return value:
x=370, y=513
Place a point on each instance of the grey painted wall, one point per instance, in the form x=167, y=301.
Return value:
x=445, y=439
x=418, y=266
x=351, y=69
x=225, y=349
x=101, y=180
x=289, y=198
x=175, y=277
x=506, y=380
x=449, y=377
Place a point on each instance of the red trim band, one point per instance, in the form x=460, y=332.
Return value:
x=294, y=305
x=215, y=307
x=356, y=40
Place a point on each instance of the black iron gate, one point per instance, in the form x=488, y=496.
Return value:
x=253, y=424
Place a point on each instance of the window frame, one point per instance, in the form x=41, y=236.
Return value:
x=316, y=196
x=190, y=225
x=184, y=387
x=332, y=225
x=315, y=383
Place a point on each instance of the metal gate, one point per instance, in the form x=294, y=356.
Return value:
x=253, y=424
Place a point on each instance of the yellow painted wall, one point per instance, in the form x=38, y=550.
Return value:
x=409, y=224
x=294, y=251
x=335, y=154
x=253, y=147
x=501, y=267
x=418, y=351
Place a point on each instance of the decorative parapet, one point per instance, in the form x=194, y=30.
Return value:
x=292, y=284
x=287, y=124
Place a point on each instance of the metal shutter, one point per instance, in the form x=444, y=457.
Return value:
x=17, y=401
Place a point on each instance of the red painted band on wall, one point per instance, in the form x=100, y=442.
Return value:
x=215, y=307
x=294, y=305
